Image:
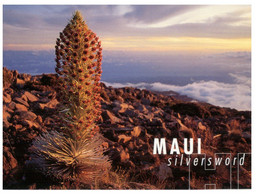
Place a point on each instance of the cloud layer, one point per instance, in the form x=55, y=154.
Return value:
x=236, y=95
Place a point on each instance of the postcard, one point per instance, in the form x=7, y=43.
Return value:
x=127, y=97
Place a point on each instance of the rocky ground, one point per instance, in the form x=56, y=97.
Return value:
x=131, y=119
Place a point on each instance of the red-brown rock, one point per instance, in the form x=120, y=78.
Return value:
x=7, y=98
x=27, y=115
x=9, y=162
x=50, y=105
x=108, y=116
x=136, y=131
x=20, y=107
x=30, y=97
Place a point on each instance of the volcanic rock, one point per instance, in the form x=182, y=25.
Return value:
x=20, y=83
x=110, y=117
x=30, y=97
x=136, y=131
x=6, y=98
x=9, y=162
x=164, y=172
x=124, y=156
x=28, y=115
x=123, y=138
x=21, y=101
x=50, y=105
x=20, y=108
x=120, y=107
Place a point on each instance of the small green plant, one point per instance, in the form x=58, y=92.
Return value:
x=74, y=152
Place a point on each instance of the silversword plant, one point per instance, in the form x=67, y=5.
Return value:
x=74, y=152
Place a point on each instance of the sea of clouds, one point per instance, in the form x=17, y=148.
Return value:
x=222, y=79
x=233, y=95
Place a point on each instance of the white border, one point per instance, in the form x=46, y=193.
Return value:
x=180, y=2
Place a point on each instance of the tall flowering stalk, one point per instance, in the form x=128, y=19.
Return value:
x=74, y=152
x=78, y=57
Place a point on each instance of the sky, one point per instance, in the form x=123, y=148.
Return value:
x=175, y=28
x=202, y=51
